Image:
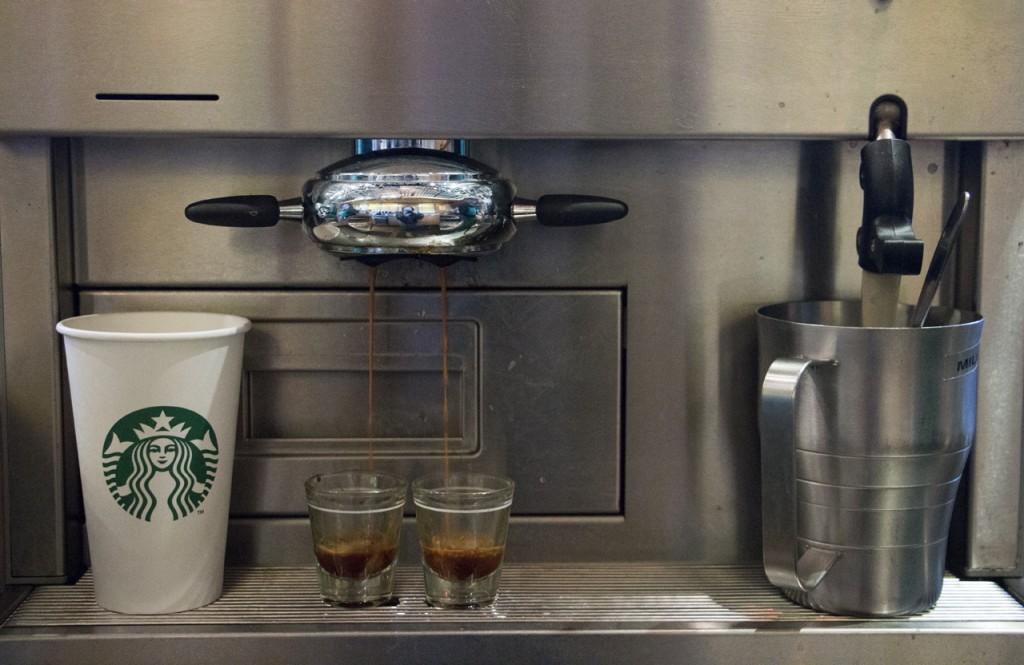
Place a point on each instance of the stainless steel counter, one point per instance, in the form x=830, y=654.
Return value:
x=608, y=612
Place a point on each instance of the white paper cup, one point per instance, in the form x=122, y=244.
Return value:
x=155, y=401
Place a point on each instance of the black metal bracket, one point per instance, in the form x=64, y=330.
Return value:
x=885, y=241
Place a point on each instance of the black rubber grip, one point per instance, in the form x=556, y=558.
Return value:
x=576, y=210
x=242, y=211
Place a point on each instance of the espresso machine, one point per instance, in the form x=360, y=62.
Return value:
x=612, y=369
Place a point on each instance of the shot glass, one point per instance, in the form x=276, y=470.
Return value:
x=356, y=518
x=463, y=523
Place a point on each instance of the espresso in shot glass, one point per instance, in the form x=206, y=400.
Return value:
x=462, y=521
x=356, y=520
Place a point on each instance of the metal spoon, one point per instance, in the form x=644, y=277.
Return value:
x=940, y=258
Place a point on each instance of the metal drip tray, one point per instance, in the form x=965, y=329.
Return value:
x=616, y=594
x=635, y=610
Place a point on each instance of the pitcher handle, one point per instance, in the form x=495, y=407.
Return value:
x=782, y=565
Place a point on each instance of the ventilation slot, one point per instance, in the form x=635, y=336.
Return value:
x=153, y=97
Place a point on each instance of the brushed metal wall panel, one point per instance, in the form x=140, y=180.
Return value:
x=996, y=480
x=548, y=387
x=512, y=68
x=133, y=193
x=716, y=229
x=31, y=417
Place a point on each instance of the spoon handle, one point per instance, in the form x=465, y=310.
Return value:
x=940, y=258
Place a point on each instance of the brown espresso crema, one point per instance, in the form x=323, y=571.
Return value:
x=458, y=560
x=356, y=558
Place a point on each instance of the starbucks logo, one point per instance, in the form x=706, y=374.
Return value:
x=160, y=460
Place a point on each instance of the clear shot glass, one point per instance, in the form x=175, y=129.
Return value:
x=356, y=518
x=463, y=523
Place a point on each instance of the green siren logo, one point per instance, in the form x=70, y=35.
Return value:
x=159, y=460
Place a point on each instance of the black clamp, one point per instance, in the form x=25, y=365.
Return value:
x=885, y=241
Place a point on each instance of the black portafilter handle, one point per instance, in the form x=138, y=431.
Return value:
x=578, y=210
x=885, y=241
x=238, y=211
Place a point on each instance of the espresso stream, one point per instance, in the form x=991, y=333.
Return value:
x=444, y=369
x=370, y=425
x=454, y=557
x=369, y=365
x=371, y=360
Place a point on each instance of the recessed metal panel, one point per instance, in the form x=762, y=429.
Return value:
x=538, y=395
x=316, y=406
x=306, y=389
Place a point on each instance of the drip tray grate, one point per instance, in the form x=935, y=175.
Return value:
x=603, y=594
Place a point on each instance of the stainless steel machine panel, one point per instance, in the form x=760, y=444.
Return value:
x=622, y=395
x=536, y=390
x=996, y=480
x=31, y=230
x=514, y=68
x=716, y=229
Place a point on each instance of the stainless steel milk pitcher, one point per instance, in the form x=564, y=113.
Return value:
x=864, y=436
